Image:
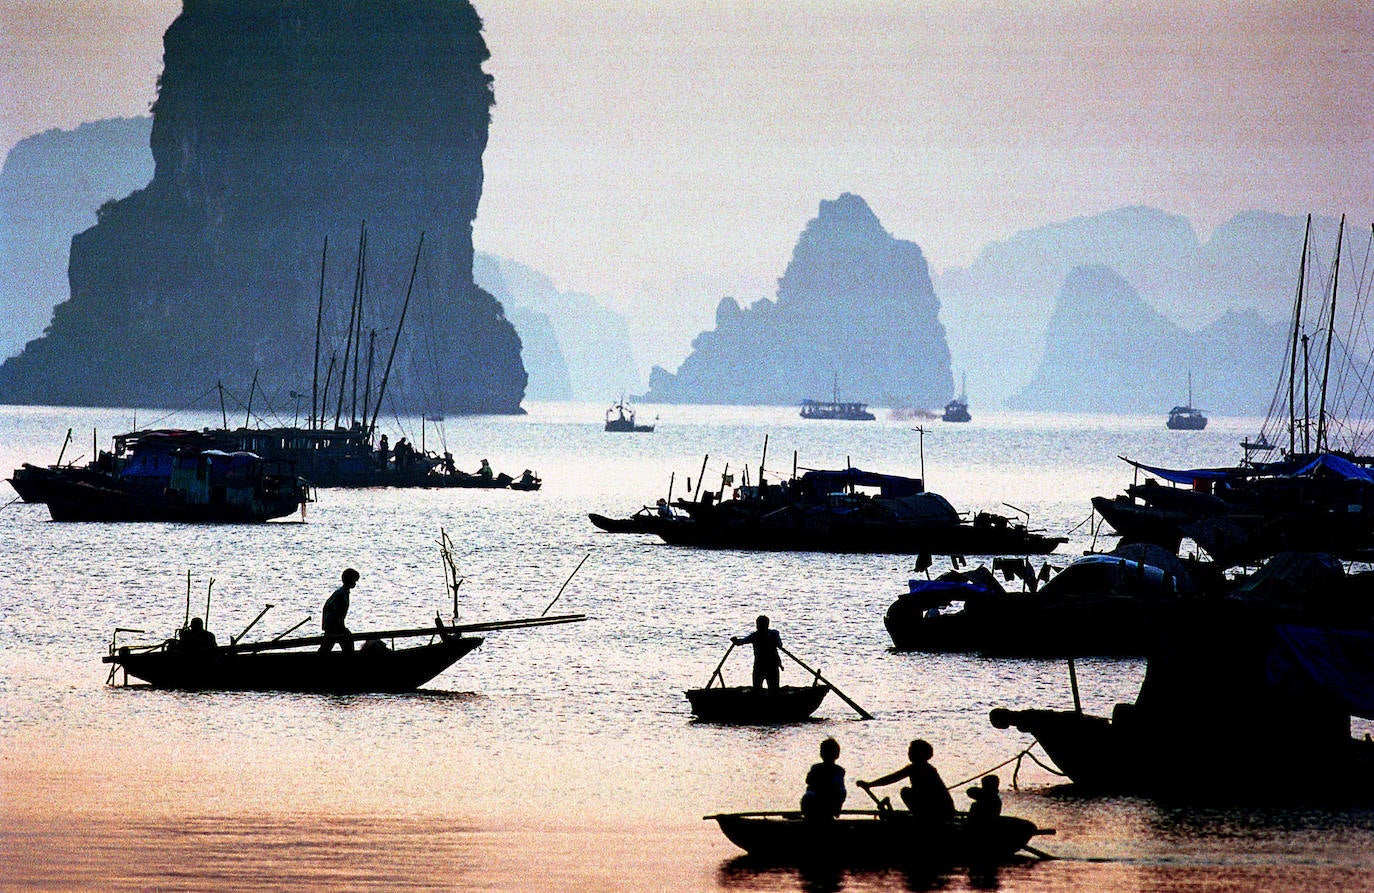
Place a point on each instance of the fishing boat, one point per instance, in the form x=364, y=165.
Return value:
x=166, y=475
x=1187, y=417
x=621, y=418
x=299, y=665
x=647, y=520
x=1248, y=698
x=1100, y=605
x=850, y=510
x=876, y=837
x=956, y=410
x=835, y=409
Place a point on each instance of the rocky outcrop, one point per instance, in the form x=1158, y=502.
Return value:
x=575, y=348
x=1007, y=296
x=855, y=305
x=277, y=124
x=50, y=187
x=1107, y=350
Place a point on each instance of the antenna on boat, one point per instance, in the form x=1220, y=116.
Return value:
x=208, y=590
x=922, y=441
x=187, y=621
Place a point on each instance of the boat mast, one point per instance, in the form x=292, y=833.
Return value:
x=367, y=385
x=319, y=318
x=1297, y=324
x=1330, y=336
x=1306, y=401
x=352, y=316
x=386, y=373
x=358, y=342
x=328, y=379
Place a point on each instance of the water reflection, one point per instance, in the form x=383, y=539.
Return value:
x=748, y=874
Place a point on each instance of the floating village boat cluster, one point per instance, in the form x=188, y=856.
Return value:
x=1272, y=634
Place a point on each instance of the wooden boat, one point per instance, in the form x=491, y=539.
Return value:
x=836, y=409
x=1187, y=417
x=647, y=520
x=621, y=418
x=297, y=664
x=745, y=704
x=875, y=837
x=166, y=475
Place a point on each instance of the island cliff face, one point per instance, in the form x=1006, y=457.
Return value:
x=855, y=306
x=279, y=123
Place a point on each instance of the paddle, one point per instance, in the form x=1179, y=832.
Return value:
x=884, y=805
x=716, y=675
x=863, y=714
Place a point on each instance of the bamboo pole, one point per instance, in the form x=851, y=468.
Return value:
x=716, y=674
x=307, y=641
x=863, y=714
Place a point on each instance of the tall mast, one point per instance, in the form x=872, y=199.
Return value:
x=1330, y=336
x=358, y=342
x=405, y=305
x=367, y=386
x=1293, y=358
x=352, y=317
x=319, y=318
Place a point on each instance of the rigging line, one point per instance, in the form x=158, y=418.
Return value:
x=187, y=408
x=1014, y=758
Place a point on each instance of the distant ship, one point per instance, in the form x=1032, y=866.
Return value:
x=621, y=417
x=844, y=412
x=1189, y=417
x=956, y=410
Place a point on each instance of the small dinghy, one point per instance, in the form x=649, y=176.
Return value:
x=746, y=704
x=876, y=837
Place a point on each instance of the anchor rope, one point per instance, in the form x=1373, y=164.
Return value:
x=1016, y=758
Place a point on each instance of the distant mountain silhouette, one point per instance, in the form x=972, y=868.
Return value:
x=854, y=305
x=50, y=187
x=574, y=347
x=277, y=123
x=1107, y=350
x=1008, y=294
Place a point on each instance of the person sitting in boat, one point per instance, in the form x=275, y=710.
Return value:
x=335, y=610
x=485, y=471
x=825, y=791
x=196, y=637
x=663, y=510
x=767, y=663
x=449, y=467
x=527, y=477
x=928, y=799
x=987, y=802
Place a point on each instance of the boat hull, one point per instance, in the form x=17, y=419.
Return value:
x=872, y=837
x=362, y=671
x=904, y=539
x=746, y=705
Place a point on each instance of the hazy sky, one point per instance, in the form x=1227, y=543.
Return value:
x=664, y=154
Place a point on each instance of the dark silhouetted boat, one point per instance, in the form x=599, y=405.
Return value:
x=1189, y=417
x=166, y=475
x=298, y=665
x=850, y=510
x=621, y=418
x=956, y=410
x=745, y=704
x=876, y=837
x=1244, y=699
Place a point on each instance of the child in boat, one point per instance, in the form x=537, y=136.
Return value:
x=987, y=802
x=928, y=799
x=825, y=791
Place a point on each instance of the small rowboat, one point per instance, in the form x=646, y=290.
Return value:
x=744, y=704
x=876, y=837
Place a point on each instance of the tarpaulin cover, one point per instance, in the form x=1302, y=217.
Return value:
x=1339, y=662
x=822, y=482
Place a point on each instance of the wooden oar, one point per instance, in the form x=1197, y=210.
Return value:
x=863, y=714
x=307, y=641
x=716, y=675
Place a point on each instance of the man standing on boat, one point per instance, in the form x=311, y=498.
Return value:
x=767, y=663
x=335, y=610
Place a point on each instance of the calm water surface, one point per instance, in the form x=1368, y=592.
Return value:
x=561, y=758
